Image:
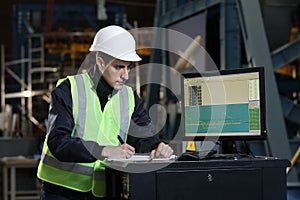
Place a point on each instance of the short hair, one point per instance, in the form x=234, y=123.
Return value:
x=107, y=58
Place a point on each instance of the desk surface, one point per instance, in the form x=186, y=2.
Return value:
x=146, y=166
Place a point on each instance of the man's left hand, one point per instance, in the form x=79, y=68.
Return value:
x=162, y=151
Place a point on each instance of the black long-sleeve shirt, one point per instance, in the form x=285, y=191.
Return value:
x=65, y=148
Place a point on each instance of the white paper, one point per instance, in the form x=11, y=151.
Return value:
x=141, y=158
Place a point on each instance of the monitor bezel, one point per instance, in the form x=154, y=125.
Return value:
x=263, y=134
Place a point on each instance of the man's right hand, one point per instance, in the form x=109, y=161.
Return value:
x=123, y=151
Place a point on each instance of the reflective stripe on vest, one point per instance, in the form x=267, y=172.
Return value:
x=81, y=116
x=124, y=117
x=68, y=166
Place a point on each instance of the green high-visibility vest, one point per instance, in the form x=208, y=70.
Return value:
x=91, y=123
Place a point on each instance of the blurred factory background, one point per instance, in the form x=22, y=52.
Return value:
x=50, y=39
x=42, y=41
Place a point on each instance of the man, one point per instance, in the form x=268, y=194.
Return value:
x=87, y=115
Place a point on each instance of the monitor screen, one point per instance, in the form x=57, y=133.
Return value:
x=225, y=104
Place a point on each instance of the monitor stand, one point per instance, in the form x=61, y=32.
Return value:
x=196, y=155
x=228, y=150
x=228, y=147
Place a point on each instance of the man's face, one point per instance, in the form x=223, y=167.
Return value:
x=116, y=73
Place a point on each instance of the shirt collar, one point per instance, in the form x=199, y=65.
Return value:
x=100, y=85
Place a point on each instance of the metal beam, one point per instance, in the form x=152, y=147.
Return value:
x=2, y=78
x=230, y=41
x=286, y=54
x=258, y=54
x=168, y=17
x=291, y=110
x=17, y=78
x=25, y=94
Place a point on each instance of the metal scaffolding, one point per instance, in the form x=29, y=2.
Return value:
x=20, y=73
x=30, y=79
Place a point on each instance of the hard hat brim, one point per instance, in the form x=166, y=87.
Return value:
x=131, y=56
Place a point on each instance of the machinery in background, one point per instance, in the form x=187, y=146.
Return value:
x=35, y=18
x=47, y=52
x=42, y=54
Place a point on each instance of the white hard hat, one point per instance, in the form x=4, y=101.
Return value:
x=116, y=42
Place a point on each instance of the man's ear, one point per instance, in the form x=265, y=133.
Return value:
x=100, y=63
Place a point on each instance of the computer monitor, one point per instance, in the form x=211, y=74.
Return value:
x=224, y=105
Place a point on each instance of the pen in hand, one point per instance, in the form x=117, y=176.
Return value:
x=121, y=140
x=127, y=148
